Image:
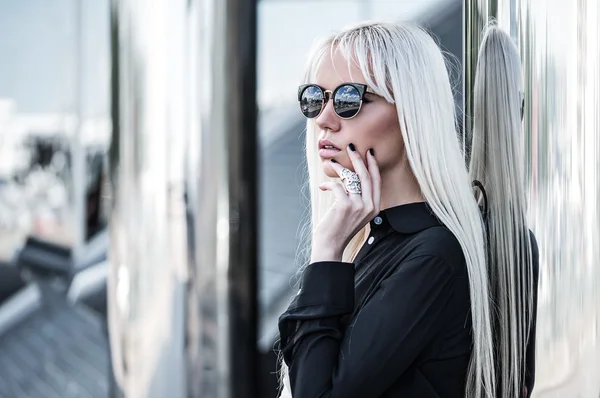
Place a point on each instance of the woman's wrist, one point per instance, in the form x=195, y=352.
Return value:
x=325, y=254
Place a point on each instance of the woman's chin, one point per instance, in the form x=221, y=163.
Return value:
x=328, y=170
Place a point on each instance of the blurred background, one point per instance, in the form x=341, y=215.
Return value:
x=152, y=201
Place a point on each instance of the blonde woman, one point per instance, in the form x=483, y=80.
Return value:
x=497, y=162
x=395, y=299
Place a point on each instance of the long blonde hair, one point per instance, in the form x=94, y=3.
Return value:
x=403, y=64
x=497, y=162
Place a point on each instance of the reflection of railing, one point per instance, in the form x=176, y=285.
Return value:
x=53, y=344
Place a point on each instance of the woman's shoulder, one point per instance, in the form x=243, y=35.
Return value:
x=439, y=242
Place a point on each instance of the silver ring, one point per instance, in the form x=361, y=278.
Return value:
x=351, y=181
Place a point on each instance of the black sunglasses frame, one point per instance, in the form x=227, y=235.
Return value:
x=328, y=94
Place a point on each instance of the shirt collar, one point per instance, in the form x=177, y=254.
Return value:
x=407, y=219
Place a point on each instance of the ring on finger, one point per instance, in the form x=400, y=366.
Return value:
x=351, y=181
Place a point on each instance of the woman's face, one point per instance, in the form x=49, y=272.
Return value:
x=376, y=126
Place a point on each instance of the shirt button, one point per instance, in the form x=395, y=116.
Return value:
x=378, y=220
x=371, y=239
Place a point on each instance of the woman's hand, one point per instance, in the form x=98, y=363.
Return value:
x=350, y=211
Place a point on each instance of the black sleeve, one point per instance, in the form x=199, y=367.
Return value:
x=530, y=350
x=384, y=338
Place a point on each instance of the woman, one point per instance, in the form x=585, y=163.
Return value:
x=394, y=302
x=497, y=163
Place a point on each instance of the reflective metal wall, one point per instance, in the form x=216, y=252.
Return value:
x=182, y=296
x=559, y=42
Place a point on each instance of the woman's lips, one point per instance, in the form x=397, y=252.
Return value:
x=328, y=152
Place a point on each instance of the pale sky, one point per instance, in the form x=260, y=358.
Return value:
x=37, y=55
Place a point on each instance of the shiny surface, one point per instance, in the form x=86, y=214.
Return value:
x=147, y=224
x=182, y=296
x=227, y=199
x=559, y=42
x=347, y=100
x=476, y=14
x=311, y=101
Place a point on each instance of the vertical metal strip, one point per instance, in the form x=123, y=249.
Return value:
x=476, y=14
x=228, y=182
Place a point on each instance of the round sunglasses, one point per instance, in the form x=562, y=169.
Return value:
x=347, y=99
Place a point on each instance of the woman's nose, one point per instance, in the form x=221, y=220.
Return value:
x=328, y=119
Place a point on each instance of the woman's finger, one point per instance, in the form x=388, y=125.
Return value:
x=361, y=169
x=337, y=167
x=375, y=179
x=341, y=171
x=338, y=191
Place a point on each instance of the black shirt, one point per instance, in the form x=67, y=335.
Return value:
x=394, y=324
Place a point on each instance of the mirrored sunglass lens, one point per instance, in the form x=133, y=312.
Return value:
x=346, y=101
x=311, y=101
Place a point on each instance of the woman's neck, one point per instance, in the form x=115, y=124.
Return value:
x=398, y=187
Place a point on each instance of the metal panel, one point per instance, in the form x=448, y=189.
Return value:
x=182, y=286
x=560, y=51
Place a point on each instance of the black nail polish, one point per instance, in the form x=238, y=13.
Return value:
x=351, y=146
x=372, y=152
x=333, y=160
